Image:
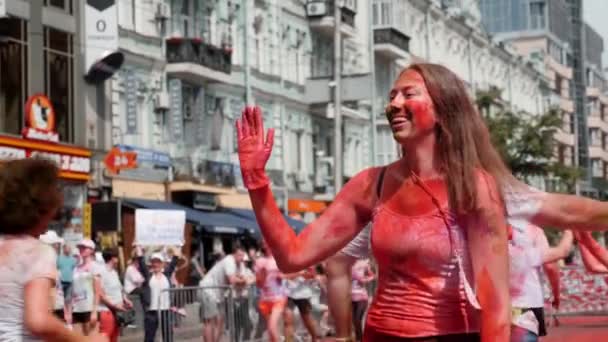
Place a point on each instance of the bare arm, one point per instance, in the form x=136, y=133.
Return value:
x=348, y=214
x=338, y=292
x=571, y=212
x=350, y=211
x=595, y=258
x=488, y=248
x=552, y=272
x=38, y=318
x=561, y=250
x=96, y=298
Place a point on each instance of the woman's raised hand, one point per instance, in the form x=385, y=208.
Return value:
x=254, y=151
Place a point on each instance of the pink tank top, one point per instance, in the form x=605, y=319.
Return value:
x=420, y=291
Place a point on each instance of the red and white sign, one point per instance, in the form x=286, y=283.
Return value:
x=580, y=291
x=66, y=162
x=117, y=160
x=40, y=119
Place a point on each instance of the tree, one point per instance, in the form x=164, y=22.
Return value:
x=525, y=141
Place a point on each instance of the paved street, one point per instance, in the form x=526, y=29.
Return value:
x=579, y=329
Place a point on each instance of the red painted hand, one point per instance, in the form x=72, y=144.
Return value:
x=253, y=150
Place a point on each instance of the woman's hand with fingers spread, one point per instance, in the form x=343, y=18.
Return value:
x=253, y=149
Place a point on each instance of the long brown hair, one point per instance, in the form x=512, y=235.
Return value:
x=463, y=139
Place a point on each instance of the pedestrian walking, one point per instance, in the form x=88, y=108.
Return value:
x=86, y=289
x=29, y=200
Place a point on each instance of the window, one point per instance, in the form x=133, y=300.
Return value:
x=558, y=84
x=537, y=15
x=386, y=146
x=183, y=21
x=58, y=78
x=567, y=123
x=13, y=75
x=561, y=154
x=382, y=13
x=598, y=168
x=64, y=5
x=595, y=136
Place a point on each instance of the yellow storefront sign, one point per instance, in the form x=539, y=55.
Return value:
x=86, y=221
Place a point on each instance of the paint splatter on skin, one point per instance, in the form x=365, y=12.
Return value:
x=425, y=245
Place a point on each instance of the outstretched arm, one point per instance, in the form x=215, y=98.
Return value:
x=348, y=214
x=571, y=212
x=488, y=248
x=595, y=257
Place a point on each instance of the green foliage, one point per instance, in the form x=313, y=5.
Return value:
x=525, y=142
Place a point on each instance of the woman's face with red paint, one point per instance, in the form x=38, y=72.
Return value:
x=410, y=111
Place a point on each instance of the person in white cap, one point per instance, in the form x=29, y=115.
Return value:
x=29, y=200
x=86, y=288
x=155, y=297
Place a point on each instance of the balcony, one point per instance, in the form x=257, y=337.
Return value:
x=194, y=60
x=563, y=70
x=321, y=17
x=391, y=43
x=596, y=152
x=564, y=137
x=354, y=88
x=595, y=121
x=593, y=92
x=566, y=105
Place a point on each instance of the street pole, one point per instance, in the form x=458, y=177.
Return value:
x=246, y=28
x=337, y=98
x=372, y=68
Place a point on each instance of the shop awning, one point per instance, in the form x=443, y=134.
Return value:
x=297, y=225
x=213, y=222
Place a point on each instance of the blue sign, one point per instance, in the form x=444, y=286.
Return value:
x=151, y=165
x=131, y=101
x=175, y=104
x=145, y=155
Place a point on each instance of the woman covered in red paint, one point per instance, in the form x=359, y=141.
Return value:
x=439, y=233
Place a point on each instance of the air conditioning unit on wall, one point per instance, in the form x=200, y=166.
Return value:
x=316, y=9
x=161, y=102
x=163, y=11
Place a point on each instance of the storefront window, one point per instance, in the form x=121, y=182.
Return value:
x=13, y=74
x=59, y=71
x=68, y=221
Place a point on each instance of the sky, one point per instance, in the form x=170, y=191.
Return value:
x=595, y=12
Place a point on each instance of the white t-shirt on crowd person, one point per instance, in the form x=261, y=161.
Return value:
x=299, y=288
x=83, y=290
x=133, y=278
x=22, y=259
x=218, y=276
x=159, y=296
x=110, y=283
x=526, y=250
x=59, y=298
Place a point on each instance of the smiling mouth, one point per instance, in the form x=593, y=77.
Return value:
x=398, y=121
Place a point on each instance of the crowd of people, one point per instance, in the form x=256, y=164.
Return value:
x=454, y=236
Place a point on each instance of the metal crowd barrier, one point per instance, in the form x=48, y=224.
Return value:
x=190, y=308
x=581, y=293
